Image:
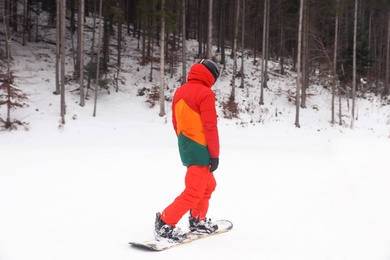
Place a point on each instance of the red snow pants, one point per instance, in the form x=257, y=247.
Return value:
x=199, y=185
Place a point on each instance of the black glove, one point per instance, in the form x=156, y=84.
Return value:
x=214, y=164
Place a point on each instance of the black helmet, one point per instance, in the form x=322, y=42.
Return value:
x=211, y=66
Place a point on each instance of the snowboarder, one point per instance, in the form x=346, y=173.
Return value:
x=194, y=120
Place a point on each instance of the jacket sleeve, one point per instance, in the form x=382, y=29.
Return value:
x=208, y=116
x=174, y=122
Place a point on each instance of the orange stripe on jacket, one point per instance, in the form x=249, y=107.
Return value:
x=190, y=124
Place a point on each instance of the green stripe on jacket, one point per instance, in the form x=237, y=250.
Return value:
x=192, y=153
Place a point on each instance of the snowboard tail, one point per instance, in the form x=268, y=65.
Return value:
x=160, y=245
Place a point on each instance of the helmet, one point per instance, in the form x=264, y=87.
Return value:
x=211, y=66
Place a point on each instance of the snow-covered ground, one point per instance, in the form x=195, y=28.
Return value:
x=84, y=190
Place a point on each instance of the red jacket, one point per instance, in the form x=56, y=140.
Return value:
x=194, y=118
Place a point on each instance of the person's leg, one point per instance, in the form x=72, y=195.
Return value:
x=199, y=211
x=196, y=182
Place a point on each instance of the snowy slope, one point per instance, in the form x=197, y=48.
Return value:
x=83, y=191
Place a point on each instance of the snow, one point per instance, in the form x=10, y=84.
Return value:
x=85, y=189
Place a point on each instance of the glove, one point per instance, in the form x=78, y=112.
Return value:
x=214, y=164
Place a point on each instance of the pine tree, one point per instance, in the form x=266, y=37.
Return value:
x=10, y=95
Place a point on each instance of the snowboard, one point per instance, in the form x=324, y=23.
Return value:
x=164, y=244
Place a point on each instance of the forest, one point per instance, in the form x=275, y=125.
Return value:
x=346, y=40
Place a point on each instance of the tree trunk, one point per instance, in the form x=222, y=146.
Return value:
x=305, y=56
x=92, y=60
x=8, y=76
x=151, y=60
x=340, y=109
x=281, y=41
x=63, y=56
x=162, y=61
x=200, y=28
x=24, y=23
x=234, y=50
x=242, y=44
x=98, y=57
x=387, y=76
x=299, y=58
x=80, y=49
x=14, y=15
x=264, y=52
x=354, y=65
x=184, y=40
x=72, y=19
x=105, y=39
x=119, y=49
x=58, y=46
x=222, y=33
x=210, y=31
x=334, y=78
x=267, y=46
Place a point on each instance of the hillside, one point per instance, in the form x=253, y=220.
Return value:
x=34, y=69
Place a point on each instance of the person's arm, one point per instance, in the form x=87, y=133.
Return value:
x=209, y=120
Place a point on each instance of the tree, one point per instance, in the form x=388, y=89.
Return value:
x=234, y=49
x=63, y=56
x=281, y=36
x=184, y=40
x=25, y=21
x=222, y=35
x=201, y=27
x=119, y=21
x=10, y=95
x=334, y=69
x=91, y=66
x=98, y=58
x=80, y=50
x=57, y=90
x=210, y=31
x=299, y=70
x=305, y=55
x=162, y=61
x=242, y=44
x=264, y=59
x=387, y=74
x=354, y=64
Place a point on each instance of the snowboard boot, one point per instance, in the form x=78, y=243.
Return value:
x=164, y=231
x=202, y=226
